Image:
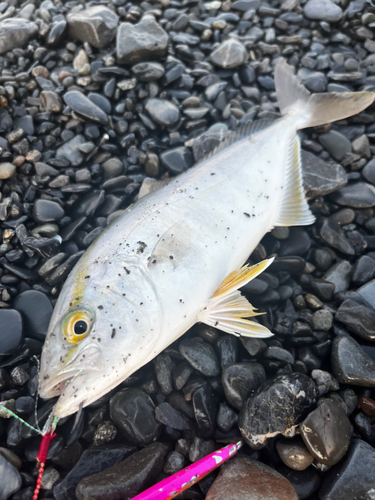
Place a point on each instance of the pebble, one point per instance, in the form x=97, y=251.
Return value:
x=163, y=112
x=369, y=172
x=245, y=478
x=319, y=177
x=321, y=320
x=367, y=291
x=323, y=10
x=339, y=275
x=363, y=270
x=226, y=417
x=335, y=143
x=49, y=478
x=11, y=480
x=201, y=356
x=264, y=416
x=133, y=413
x=294, y=453
x=167, y=415
x=175, y=462
x=11, y=331
x=350, y=364
x=47, y=211
x=354, y=476
x=96, y=25
x=70, y=152
x=204, y=405
x=36, y=310
x=358, y=195
x=326, y=432
x=229, y=54
x=148, y=71
x=15, y=33
x=7, y=170
x=177, y=160
x=140, y=42
x=241, y=380
x=358, y=318
x=81, y=104
x=304, y=482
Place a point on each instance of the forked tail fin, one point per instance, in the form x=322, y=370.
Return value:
x=315, y=109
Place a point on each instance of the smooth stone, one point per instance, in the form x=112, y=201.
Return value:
x=11, y=331
x=163, y=371
x=177, y=160
x=50, y=101
x=357, y=195
x=133, y=413
x=321, y=320
x=175, y=462
x=15, y=33
x=324, y=381
x=358, y=318
x=304, y=482
x=354, y=477
x=336, y=144
x=367, y=291
x=280, y=354
x=127, y=478
x=226, y=417
x=277, y=408
x=227, y=346
x=204, y=405
x=243, y=478
x=162, y=112
x=298, y=243
x=201, y=356
x=240, y=381
x=112, y=168
x=148, y=71
x=49, y=478
x=363, y=270
x=36, y=310
x=11, y=457
x=7, y=170
x=140, y=42
x=350, y=364
x=167, y=415
x=96, y=25
x=326, y=432
x=332, y=234
x=11, y=480
x=339, y=275
x=92, y=461
x=369, y=172
x=47, y=211
x=316, y=82
x=103, y=103
x=229, y=54
x=294, y=453
x=71, y=152
x=319, y=177
x=81, y=104
x=322, y=10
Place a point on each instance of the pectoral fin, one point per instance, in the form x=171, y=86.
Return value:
x=150, y=185
x=172, y=246
x=227, y=309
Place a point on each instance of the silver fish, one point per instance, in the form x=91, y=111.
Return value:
x=174, y=258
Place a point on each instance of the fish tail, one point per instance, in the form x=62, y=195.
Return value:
x=312, y=110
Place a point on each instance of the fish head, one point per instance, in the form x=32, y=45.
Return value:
x=98, y=335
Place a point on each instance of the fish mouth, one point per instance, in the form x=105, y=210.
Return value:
x=86, y=361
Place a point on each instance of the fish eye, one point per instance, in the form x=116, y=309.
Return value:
x=76, y=326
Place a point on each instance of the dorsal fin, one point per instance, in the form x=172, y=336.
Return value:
x=244, y=131
x=294, y=209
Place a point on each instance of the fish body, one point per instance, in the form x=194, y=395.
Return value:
x=154, y=272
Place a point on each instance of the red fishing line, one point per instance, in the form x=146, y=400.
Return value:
x=41, y=459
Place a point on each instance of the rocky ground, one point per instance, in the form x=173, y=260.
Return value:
x=93, y=101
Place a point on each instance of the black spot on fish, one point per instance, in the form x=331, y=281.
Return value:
x=113, y=333
x=87, y=277
x=171, y=257
x=127, y=270
x=247, y=215
x=141, y=247
x=100, y=307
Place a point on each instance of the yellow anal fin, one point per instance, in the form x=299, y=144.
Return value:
x=227, y=309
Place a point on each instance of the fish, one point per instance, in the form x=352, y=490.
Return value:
x=177, y=256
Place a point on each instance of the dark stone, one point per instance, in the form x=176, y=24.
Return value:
x=363, y=270
x=205, y=410
x=163, y=370
x=47, y=211
x=336, y=144
x=10, y=478
x=369, y=172
x=167, y=415
x=227, y=346
x=92, y=461
x=354, y=477
x=358, y=318
x=350, y=364
x=148, y=71
x=226, y=417
x=81, y=104
x=305, y=482
x=175, y=462
x=357, y=195
x=140, y=42
x=177, y=160
x=319, y=177
x=133, y=413
x=200, y=355
x=332, y=234
x=298, y=243
x=241, y=380
x=70, y=152
x=277, y=406
x=36, y=310
x=163, y=112
x=229, y=54
x=11, y=331
x=127, y=478
x=15, y=33
x=96, y=25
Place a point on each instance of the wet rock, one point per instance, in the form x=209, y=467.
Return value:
x=10, y=479
x=36, y=310
x=354, y=477
x=241, y=380
x=227, y=346
x=201, y=356
x=162, y=112
x=244, y=478
x=175, y=461
x=358, y=195
x=47, y=211
x=324, y=381
x=200, y=448
x=177, y=160
x=367, y=405
x=16, y=32
x=339, y=275
x=326, y=432
x=363, y=270
x=96, y=25
x=304, y=482
x=358, y=318
x=332, y=234
x=50, y=101
x=322, y=10
x=148, y=71
x=205, y=410
x=11, y=331
x=127, y=478
x=319, y=177
x=92, y=461
x=141, y=42
x=226, y=417
x=277, y=408
x=294, y=453
x=70, y=151
x=321, y=320
x=368, y=292
x=81, y=104
x=7, y=170
x=229, y=54
x=49, y=478
x=369, y=172
x=350, y=364
x=335, y=143
x=133, y=413
x=167, y=415
x=297, y=243
x=163, y=370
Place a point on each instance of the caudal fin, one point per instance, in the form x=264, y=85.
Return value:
x=315, y=109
